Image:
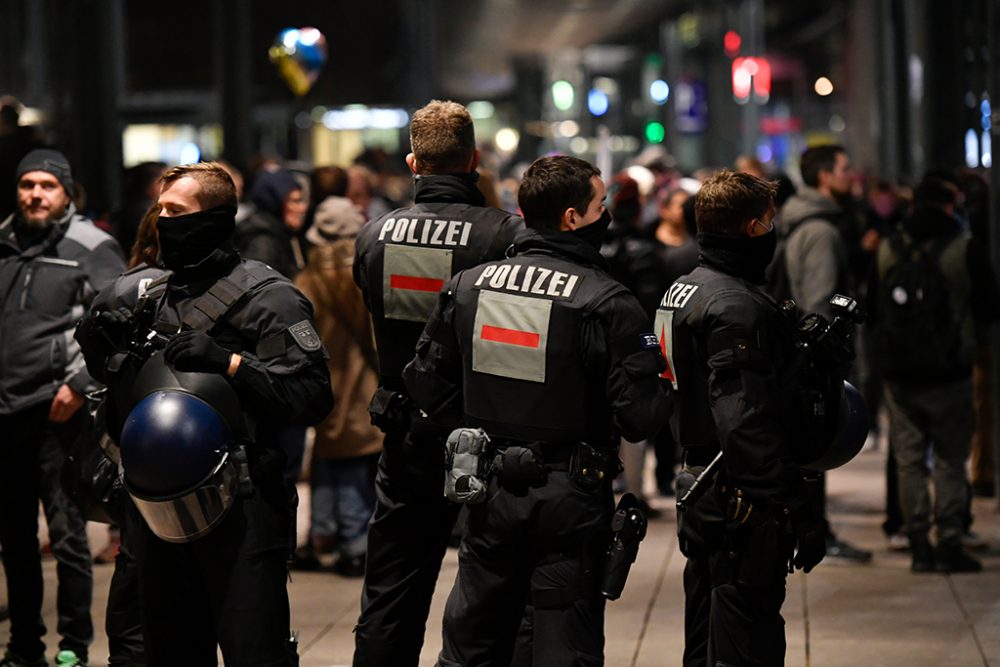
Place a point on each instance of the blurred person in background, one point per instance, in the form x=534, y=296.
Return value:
x=361, y=191
x=327, y=181
x=140, y=187
x=52, y=263
x=270, y=233
x=347, y=445
x=16, y=141
x=816, y=259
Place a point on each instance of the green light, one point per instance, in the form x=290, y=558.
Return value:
x=655, y=132
x=562, y=95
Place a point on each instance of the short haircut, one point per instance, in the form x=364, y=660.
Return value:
x=730, y=198
x=442, y=137
x=934, y=193
x=817, y=159
x=553, y=184
x=217, y=188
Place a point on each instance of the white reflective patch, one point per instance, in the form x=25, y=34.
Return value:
x=412, y=277
x=511, y=336
x=663, y=327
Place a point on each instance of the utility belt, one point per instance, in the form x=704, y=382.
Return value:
x=472, y=458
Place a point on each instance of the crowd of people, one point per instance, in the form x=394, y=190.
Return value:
x=367, y=337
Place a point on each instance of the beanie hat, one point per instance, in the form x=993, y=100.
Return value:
x=336, y=218
x=50, y=161
x=271, y=188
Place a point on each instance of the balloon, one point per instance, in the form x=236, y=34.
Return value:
x=300, y=55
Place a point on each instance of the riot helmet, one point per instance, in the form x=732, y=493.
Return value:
x=846, y=430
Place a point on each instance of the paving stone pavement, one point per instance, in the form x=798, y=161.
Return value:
x=877, y=615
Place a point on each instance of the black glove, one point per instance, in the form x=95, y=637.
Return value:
x=115, y=326
x=196, y=352
x=810, y=547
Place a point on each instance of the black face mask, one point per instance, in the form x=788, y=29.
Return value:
x=186, y=240
x=739, y=254
x=594, y=233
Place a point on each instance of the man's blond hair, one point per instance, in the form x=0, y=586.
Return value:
x=442, y=138
x=729, y=198
x=217, y=188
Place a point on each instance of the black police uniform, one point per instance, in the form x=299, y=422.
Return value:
x=732, y=358
x=228, y=587
x=544, y=351
x=403, y=260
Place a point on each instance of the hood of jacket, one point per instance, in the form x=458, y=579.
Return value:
x=805, y=204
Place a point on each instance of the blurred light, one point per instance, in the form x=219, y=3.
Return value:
x=731, y=42
x=289, y=38
x=823, y=86
x=568, y=128
x=971, y=149
x=987, y=148
x=752, y=73
x=970, y=99
x=303, y=121
x=659, y=90
x=507, y=139
x=741, y=81
x=578, y=145
x=616, y=143
x=190, y=153
x=837, y=123
x=359, y=117
x=597, y=102
x=606, y=85
x=764, y=153
x=310, y=36
x=481, y=110
x=984, y=108
x=562, y=95
x=655, y=132
x=317, y=113
x=687, y=25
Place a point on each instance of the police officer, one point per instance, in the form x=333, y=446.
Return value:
x=555, y=361
x=403, y=259
x=226, y=321
x=731, y=355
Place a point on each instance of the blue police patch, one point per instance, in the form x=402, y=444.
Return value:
x=305, y=336
x=649, y=341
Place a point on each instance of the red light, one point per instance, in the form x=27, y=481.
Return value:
x=731, y=43
x=752, y=73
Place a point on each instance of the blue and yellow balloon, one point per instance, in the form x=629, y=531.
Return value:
x=300, y=56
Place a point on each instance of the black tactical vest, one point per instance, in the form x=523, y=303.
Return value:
x=518, y=323
x=686, y=312
x=404, y=259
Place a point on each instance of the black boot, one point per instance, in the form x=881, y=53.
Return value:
x=951, y=557
x=923, y=556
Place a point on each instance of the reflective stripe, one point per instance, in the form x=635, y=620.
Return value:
x=511, y=334
x=416, y=283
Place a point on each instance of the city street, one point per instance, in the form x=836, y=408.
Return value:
x=872, y=616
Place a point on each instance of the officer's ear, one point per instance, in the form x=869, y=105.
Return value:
x=569, y=220
x=474, y=161
x=411, y=162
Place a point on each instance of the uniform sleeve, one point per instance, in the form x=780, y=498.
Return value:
x=94, y=347
x=619, y=335
x=360, y=270
x=434, y=377
x=103, y=265
x=285, y=377
x=510, y=228
x=746, y=403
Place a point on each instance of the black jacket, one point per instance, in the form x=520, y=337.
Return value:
x=282, y=379
x=44, y=290
x=733, y=359
x=404, y=258
x=263, y=237
x=544, y=346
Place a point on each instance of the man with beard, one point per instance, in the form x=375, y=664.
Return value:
x=241, y=324
x=52, y=263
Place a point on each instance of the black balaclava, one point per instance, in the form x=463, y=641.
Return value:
x=739, y=254
x=594, y=233
x=186, y=240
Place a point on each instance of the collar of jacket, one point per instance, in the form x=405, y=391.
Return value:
x=56, y=231
x=448, y=188
x=198, y=277
x=563, y=244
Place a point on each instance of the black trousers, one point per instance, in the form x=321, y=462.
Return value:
x=407, y=540
x=727, y=622
x=123, y=618
x=527, y=591
x=32, y=451
x=226, y=589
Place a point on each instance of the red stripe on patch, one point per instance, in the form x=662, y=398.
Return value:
x=416, y=283
x=511, y=336
x=668, y=374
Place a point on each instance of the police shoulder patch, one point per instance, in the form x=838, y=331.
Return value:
x=305, y=336
x=648, y=341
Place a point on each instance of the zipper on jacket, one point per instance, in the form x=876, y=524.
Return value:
x=27, y=283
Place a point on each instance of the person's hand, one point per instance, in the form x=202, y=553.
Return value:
x=65, y=404
x=810, y=547
x=115, y=326
x=196, y=352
